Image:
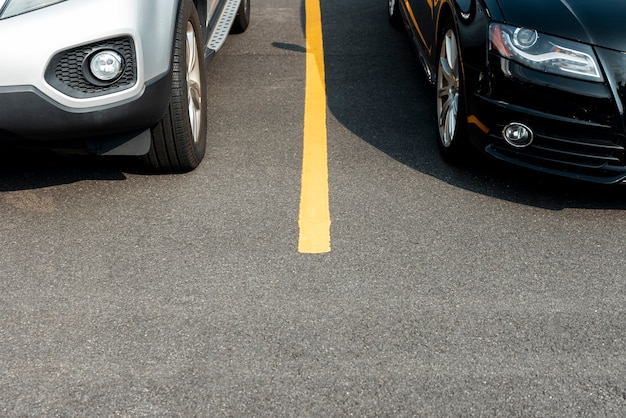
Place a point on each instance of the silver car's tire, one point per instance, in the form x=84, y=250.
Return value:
x=451, y=120
x=179, y=139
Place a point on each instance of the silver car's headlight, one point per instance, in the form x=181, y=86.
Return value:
x=10, y=8
x=544, y=52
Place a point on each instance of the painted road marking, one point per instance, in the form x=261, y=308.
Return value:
x=314, y=220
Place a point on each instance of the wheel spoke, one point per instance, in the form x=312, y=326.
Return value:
x=447, y=106
x=443, y=92
x=447, y=121
x=452, y=55
x=446, y=70
x=195, y=103
x=451, y=121
x=448, y=88
x=194, y=89
x=191, y=52
x=195, y=93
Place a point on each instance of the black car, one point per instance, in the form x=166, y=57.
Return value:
x=537, y=83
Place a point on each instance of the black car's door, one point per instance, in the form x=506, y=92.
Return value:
x=422, y=14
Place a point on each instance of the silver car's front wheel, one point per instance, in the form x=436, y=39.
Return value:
x=179, y=139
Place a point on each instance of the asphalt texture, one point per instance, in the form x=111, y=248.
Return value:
x=477, y=290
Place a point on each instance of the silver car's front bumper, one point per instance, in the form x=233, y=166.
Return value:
x=30, y=43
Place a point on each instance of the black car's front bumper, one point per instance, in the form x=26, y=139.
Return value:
x=578, y=126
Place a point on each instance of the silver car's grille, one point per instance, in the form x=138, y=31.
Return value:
x=67, y=69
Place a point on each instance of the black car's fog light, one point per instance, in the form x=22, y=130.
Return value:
x=518, y=135
x=106, y=65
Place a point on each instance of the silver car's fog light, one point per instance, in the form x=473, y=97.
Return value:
x=106, y=65
x=518, y=135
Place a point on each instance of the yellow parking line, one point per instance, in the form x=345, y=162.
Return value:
x=314, y=220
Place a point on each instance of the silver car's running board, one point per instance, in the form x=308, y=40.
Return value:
x=222, y=28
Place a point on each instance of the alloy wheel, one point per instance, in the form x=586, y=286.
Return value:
x=448, y=84
x=194, y=89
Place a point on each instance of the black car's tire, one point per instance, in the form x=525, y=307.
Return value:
x=393, y=11
x=179, y=138
x=451, y=119
x=242, y=20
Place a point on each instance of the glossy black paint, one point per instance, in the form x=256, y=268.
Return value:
x=579, y=125
x=597, y=22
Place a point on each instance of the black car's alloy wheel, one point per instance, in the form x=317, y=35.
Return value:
x=179, y=139
x=450, y=115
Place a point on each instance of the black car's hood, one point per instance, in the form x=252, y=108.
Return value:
x=597, y=22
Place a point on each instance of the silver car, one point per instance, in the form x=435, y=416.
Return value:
x=114, y=77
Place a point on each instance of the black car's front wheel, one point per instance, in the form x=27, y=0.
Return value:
x=450, y=110
x=394, y=14
x=179, y=139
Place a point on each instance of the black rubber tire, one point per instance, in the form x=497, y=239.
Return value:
x=393, y=12
x=174, y=148
x=453, y=142
x=242, y=20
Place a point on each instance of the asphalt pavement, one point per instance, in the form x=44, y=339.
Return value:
x=477, y=290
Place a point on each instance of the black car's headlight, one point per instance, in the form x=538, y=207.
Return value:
x=544, y=52
x=10, y=8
